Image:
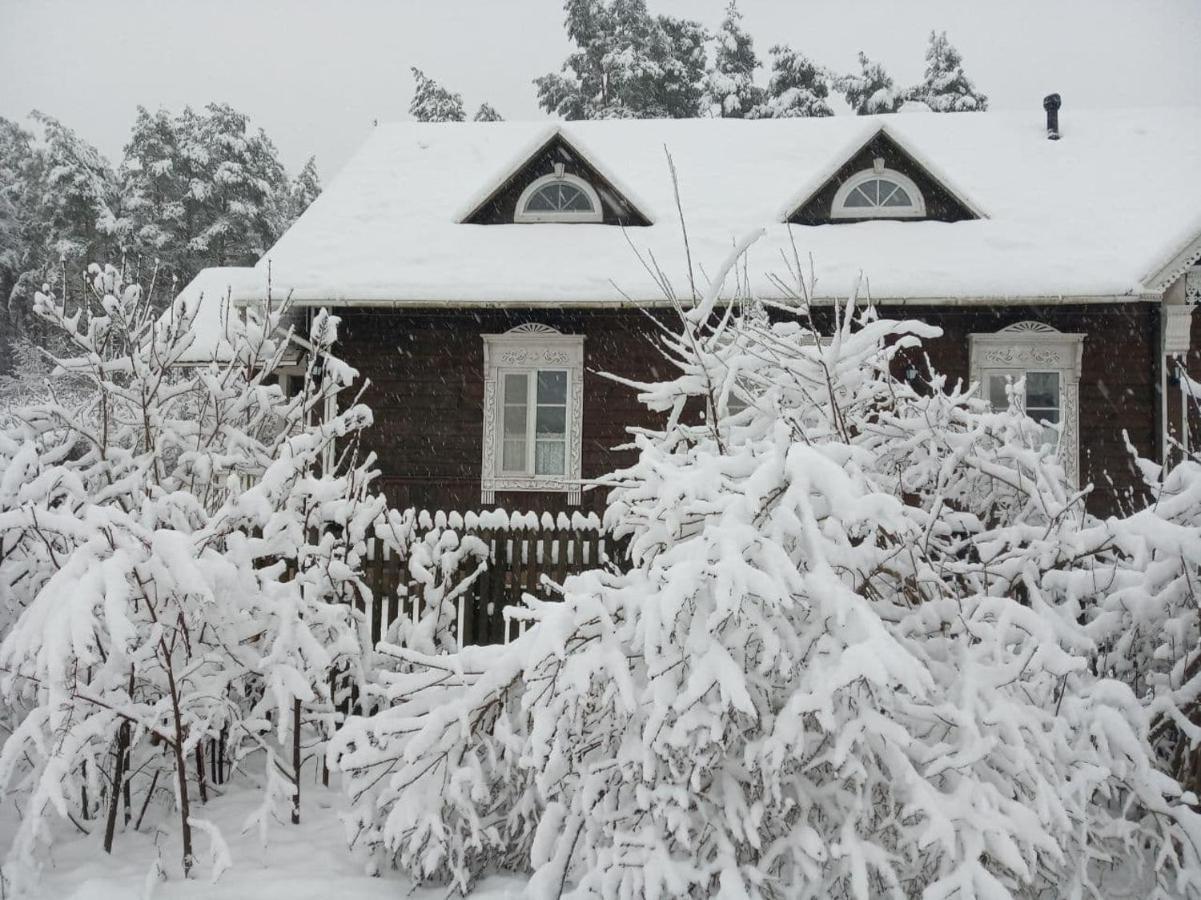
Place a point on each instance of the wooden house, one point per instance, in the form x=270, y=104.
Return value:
x=487, y=273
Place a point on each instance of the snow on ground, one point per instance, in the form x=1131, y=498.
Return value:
x=305, y=862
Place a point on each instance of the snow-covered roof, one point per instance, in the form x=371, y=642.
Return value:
x=1093, y=216
x=209, y=298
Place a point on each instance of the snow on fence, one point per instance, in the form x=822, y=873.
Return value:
x=521, y=550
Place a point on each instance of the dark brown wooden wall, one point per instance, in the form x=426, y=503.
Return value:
x=426, y=374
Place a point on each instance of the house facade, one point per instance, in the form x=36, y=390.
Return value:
x=490, y=276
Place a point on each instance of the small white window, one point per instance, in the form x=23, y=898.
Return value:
x=1049, y=362
x=559, y=197
x=878, y=193
x=533, y=412
x=1041, y=399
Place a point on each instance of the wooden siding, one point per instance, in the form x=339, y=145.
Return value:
x=940, y=203
x=426, y=389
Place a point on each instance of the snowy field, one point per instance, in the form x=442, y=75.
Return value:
x=304, y=862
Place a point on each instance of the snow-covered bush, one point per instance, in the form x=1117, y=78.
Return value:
x=179, y=552
x=839, y=665
x=1147, y=626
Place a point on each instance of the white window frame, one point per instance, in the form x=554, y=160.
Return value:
x=916, y=210
x=596, y=214
x=531, y=348
x=1028, y=347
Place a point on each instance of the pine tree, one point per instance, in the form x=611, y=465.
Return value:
x=629, y=64
x=202, y=189
x=945, y=87
x=306, y=187
x=870, y=92
x=486, y=113
x=730, y=86
x=797, y=88
x=434, y=103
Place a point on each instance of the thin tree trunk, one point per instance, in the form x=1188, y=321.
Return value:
x=200, y=780
x=181, y=764
x=118, y=784
x=296, y=761
x=146, y=802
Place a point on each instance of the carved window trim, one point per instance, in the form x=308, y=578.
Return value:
x=528, y=348
x=1036, y=347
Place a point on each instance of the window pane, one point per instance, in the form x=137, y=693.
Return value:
x=549, y=457
x=997, y=398
x=540, y=202
x=1042, y=390
x=552, y=420
x=576, y=200
x=898, y=198
x=515, y=388
x=1044, y=415
x=515, y=421
x=513, y=456
x=552, y=387
x=858, y=198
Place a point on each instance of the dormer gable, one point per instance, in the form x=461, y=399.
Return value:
x=882, y=179
x=557, y=183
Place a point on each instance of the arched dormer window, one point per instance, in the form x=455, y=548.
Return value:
x=878, y=193
x=558, y=197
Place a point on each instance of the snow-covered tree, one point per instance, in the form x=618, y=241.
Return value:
x=1146, y=627
x=306, y=187
x=797, y=87
x=180, y=553
x=870, y=92
x=432, y=102
x=730, y=85
x=831, y=672
x=945, y=88
x=628, y=64
x=201, y=189
x=487, y=113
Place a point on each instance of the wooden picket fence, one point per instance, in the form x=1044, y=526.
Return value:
x=519, y=555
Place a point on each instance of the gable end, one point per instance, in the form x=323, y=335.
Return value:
x=941, y=205
x=501, y=205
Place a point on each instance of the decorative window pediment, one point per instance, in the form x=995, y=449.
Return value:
x=556, y=183
x=533, y=412
x=882, y=178
x=1049, y=360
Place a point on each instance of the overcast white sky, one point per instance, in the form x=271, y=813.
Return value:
x=315, y=73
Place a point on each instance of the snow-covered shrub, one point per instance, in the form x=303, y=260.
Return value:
x=837, y=668
x=442, y=564
x=1147, y=626
x=180, y=549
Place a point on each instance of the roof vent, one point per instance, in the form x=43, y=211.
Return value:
x=1051, y=104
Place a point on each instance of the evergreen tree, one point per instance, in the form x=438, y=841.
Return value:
x=60, y=205
x=798, y=88
x=870, y=92
x=306, y=187
x=730, y=86
x=629, y=64
x=202, y=189
x=434, y=103
x=945, y=88
x=486, y=113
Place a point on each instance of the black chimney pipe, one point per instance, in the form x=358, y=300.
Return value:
x=1051, y=104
